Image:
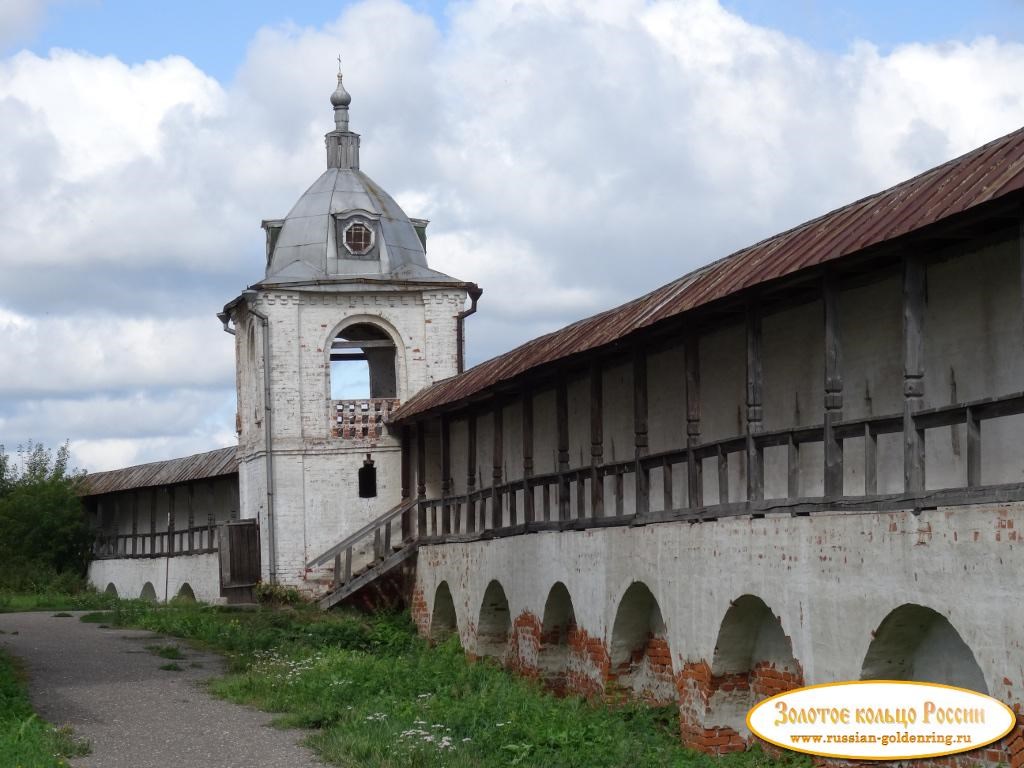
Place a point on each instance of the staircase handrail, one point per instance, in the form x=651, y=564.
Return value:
x=365, y=532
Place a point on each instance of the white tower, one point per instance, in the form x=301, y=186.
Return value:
x=348, y=322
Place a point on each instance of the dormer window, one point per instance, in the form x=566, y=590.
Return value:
x=358, y=238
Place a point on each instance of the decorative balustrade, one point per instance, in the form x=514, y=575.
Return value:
x=565, y=500
x=362, y=419
x=187, y=541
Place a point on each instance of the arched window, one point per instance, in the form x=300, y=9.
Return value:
x=363, y=364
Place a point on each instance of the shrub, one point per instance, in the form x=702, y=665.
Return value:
x=44, y=535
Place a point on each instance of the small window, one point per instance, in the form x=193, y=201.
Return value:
x=367, y=479
x=358, y=238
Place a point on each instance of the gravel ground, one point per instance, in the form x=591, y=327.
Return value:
x=109, y=688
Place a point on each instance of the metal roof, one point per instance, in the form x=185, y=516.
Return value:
x=223, y=461
x=985, y=174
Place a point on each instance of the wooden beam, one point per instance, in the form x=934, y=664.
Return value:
x=641, y=475
x=446, y=471
x=913, y=371
x=152, y=521
x=421, y=478
x=498, y=454
x=596, y=439
x=406, y=479
x=694, y=469
x=135, y=523
x=833, y=389
x=471, y=516
x=755, y=394
x=528, y=507
x=170, y=521
x=367, y=344
x=562, y=424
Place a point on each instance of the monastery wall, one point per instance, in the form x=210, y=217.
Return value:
x=714, y=616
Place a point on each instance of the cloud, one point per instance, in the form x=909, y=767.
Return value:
x=18, y=17
x=571, y=154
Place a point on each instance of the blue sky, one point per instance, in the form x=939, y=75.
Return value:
x=141, y=144
x=215, y=34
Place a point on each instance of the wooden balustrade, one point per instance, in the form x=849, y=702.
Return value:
x=443, y=519
x=198, y=540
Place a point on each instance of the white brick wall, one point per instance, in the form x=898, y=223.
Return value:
x=316, y=500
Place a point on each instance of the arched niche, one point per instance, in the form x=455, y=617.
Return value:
x=558, y=623
x=443, y=623
x=148, y=592
x=917, y=643
x=641, y=661
x=494, y=624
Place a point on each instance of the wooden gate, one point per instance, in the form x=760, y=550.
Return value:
x=239, y=560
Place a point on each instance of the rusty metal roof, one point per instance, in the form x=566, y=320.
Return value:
x=223, y=461
x=985, y=174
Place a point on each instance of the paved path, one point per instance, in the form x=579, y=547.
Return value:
x=106, y=685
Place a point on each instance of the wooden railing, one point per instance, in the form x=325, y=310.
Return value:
x=566, y=500
x=188, y=541
x=379, y=536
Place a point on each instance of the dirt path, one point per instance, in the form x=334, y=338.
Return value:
x=106, y=685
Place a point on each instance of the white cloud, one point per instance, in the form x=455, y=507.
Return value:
x=570, y=154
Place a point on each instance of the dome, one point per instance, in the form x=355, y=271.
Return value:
x=345, y=226
x=310, y=243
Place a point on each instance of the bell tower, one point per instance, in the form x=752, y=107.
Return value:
x=347, y=322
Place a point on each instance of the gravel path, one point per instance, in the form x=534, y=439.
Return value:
x=106, y=685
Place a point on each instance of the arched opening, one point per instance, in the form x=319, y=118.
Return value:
x=148, y=593
x=110, y=590
x=558, y=622
x=363, y=364
x=495, y=622
x=916, y=643
x=442, y=620
x=641, y=661
x=185, y=593
x=753, y=659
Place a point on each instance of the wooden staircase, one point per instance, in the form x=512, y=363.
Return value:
x=390, y=542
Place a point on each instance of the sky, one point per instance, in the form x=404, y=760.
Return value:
x=570, y=154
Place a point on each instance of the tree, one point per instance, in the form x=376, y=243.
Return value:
x=43, y=528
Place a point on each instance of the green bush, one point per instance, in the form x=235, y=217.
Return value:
x=44, y=535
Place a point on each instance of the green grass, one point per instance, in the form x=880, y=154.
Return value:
x=25, y=740
x=12, y=602
x=166, y=651
x=171, y=667
x=376, y=696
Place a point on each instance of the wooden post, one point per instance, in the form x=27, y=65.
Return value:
x=421, y=479
x=211, y=517
x=496, y=471
x=406, y=481
x=755, y=391
x=870, y=461
x=170, y=521
x=973, y=449
x=562, y=422
x=641, y=474
x=446, y=471
x=528, y=507
x=913, y=372
x=694, y=469
x=470, y=472
x=191, y=517
x=135, y=523
x=833, y=389
x=152, y=521
x=596, y=439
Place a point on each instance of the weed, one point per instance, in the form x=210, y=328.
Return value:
x=172, y=667
x=378, y=696
x=166, y=651
x=62, y=615
x=24, y=738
